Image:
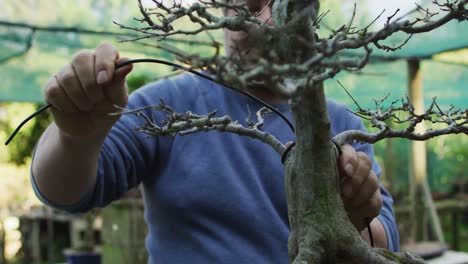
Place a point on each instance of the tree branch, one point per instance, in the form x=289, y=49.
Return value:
x=190, y=123
x=270, y=68
x=454, y=10
x=456, y=122
x=86, y=31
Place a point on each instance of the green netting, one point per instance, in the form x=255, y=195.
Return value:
x=445, y=81
x=23, y=75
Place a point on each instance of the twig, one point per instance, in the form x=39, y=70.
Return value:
x=189, y=123
x=456, y=121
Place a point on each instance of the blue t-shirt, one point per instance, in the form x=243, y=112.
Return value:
x=210, y=197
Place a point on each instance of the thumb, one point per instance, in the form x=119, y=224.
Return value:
x=116, y=91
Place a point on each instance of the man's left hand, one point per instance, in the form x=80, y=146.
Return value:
x=359, y=187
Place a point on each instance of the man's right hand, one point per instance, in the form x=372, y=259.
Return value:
x=85, y=91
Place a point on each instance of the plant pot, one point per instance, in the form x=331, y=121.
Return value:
x=82, y=257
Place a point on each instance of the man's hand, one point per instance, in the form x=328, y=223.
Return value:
x=84, y=92
x=359, y=187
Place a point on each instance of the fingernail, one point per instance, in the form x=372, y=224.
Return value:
x=102, y=77
x=349, y=169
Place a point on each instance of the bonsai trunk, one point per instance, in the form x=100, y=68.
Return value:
x=320, y=229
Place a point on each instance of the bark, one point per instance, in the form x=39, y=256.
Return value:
x=312, y=185
x=320, y=229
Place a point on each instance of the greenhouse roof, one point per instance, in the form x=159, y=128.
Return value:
x=28, y=58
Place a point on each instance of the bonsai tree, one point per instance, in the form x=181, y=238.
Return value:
x=293, y=61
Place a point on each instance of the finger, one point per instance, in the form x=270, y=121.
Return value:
x=351, y=185
x=71, y=85
x=117, y=91
x=105, y=57
x=56, y=96
x=365, y=191
x=123, y=71
x=83, y=64
x=370, y=209
x=348, y=161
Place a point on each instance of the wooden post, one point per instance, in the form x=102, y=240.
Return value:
x=455, y=233
x=36, y=240
x=50, y=234
x=2, y=242
x=389, y=164
x=421, y=198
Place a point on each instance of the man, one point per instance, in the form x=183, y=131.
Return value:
x=210, y=197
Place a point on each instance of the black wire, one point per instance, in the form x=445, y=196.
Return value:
x=175, y=65
x=42, y=109
x=369, y=230
x=338, y=147
x=286, y=152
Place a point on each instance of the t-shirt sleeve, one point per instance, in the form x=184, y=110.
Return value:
x=387, y=214
x=125, y=160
